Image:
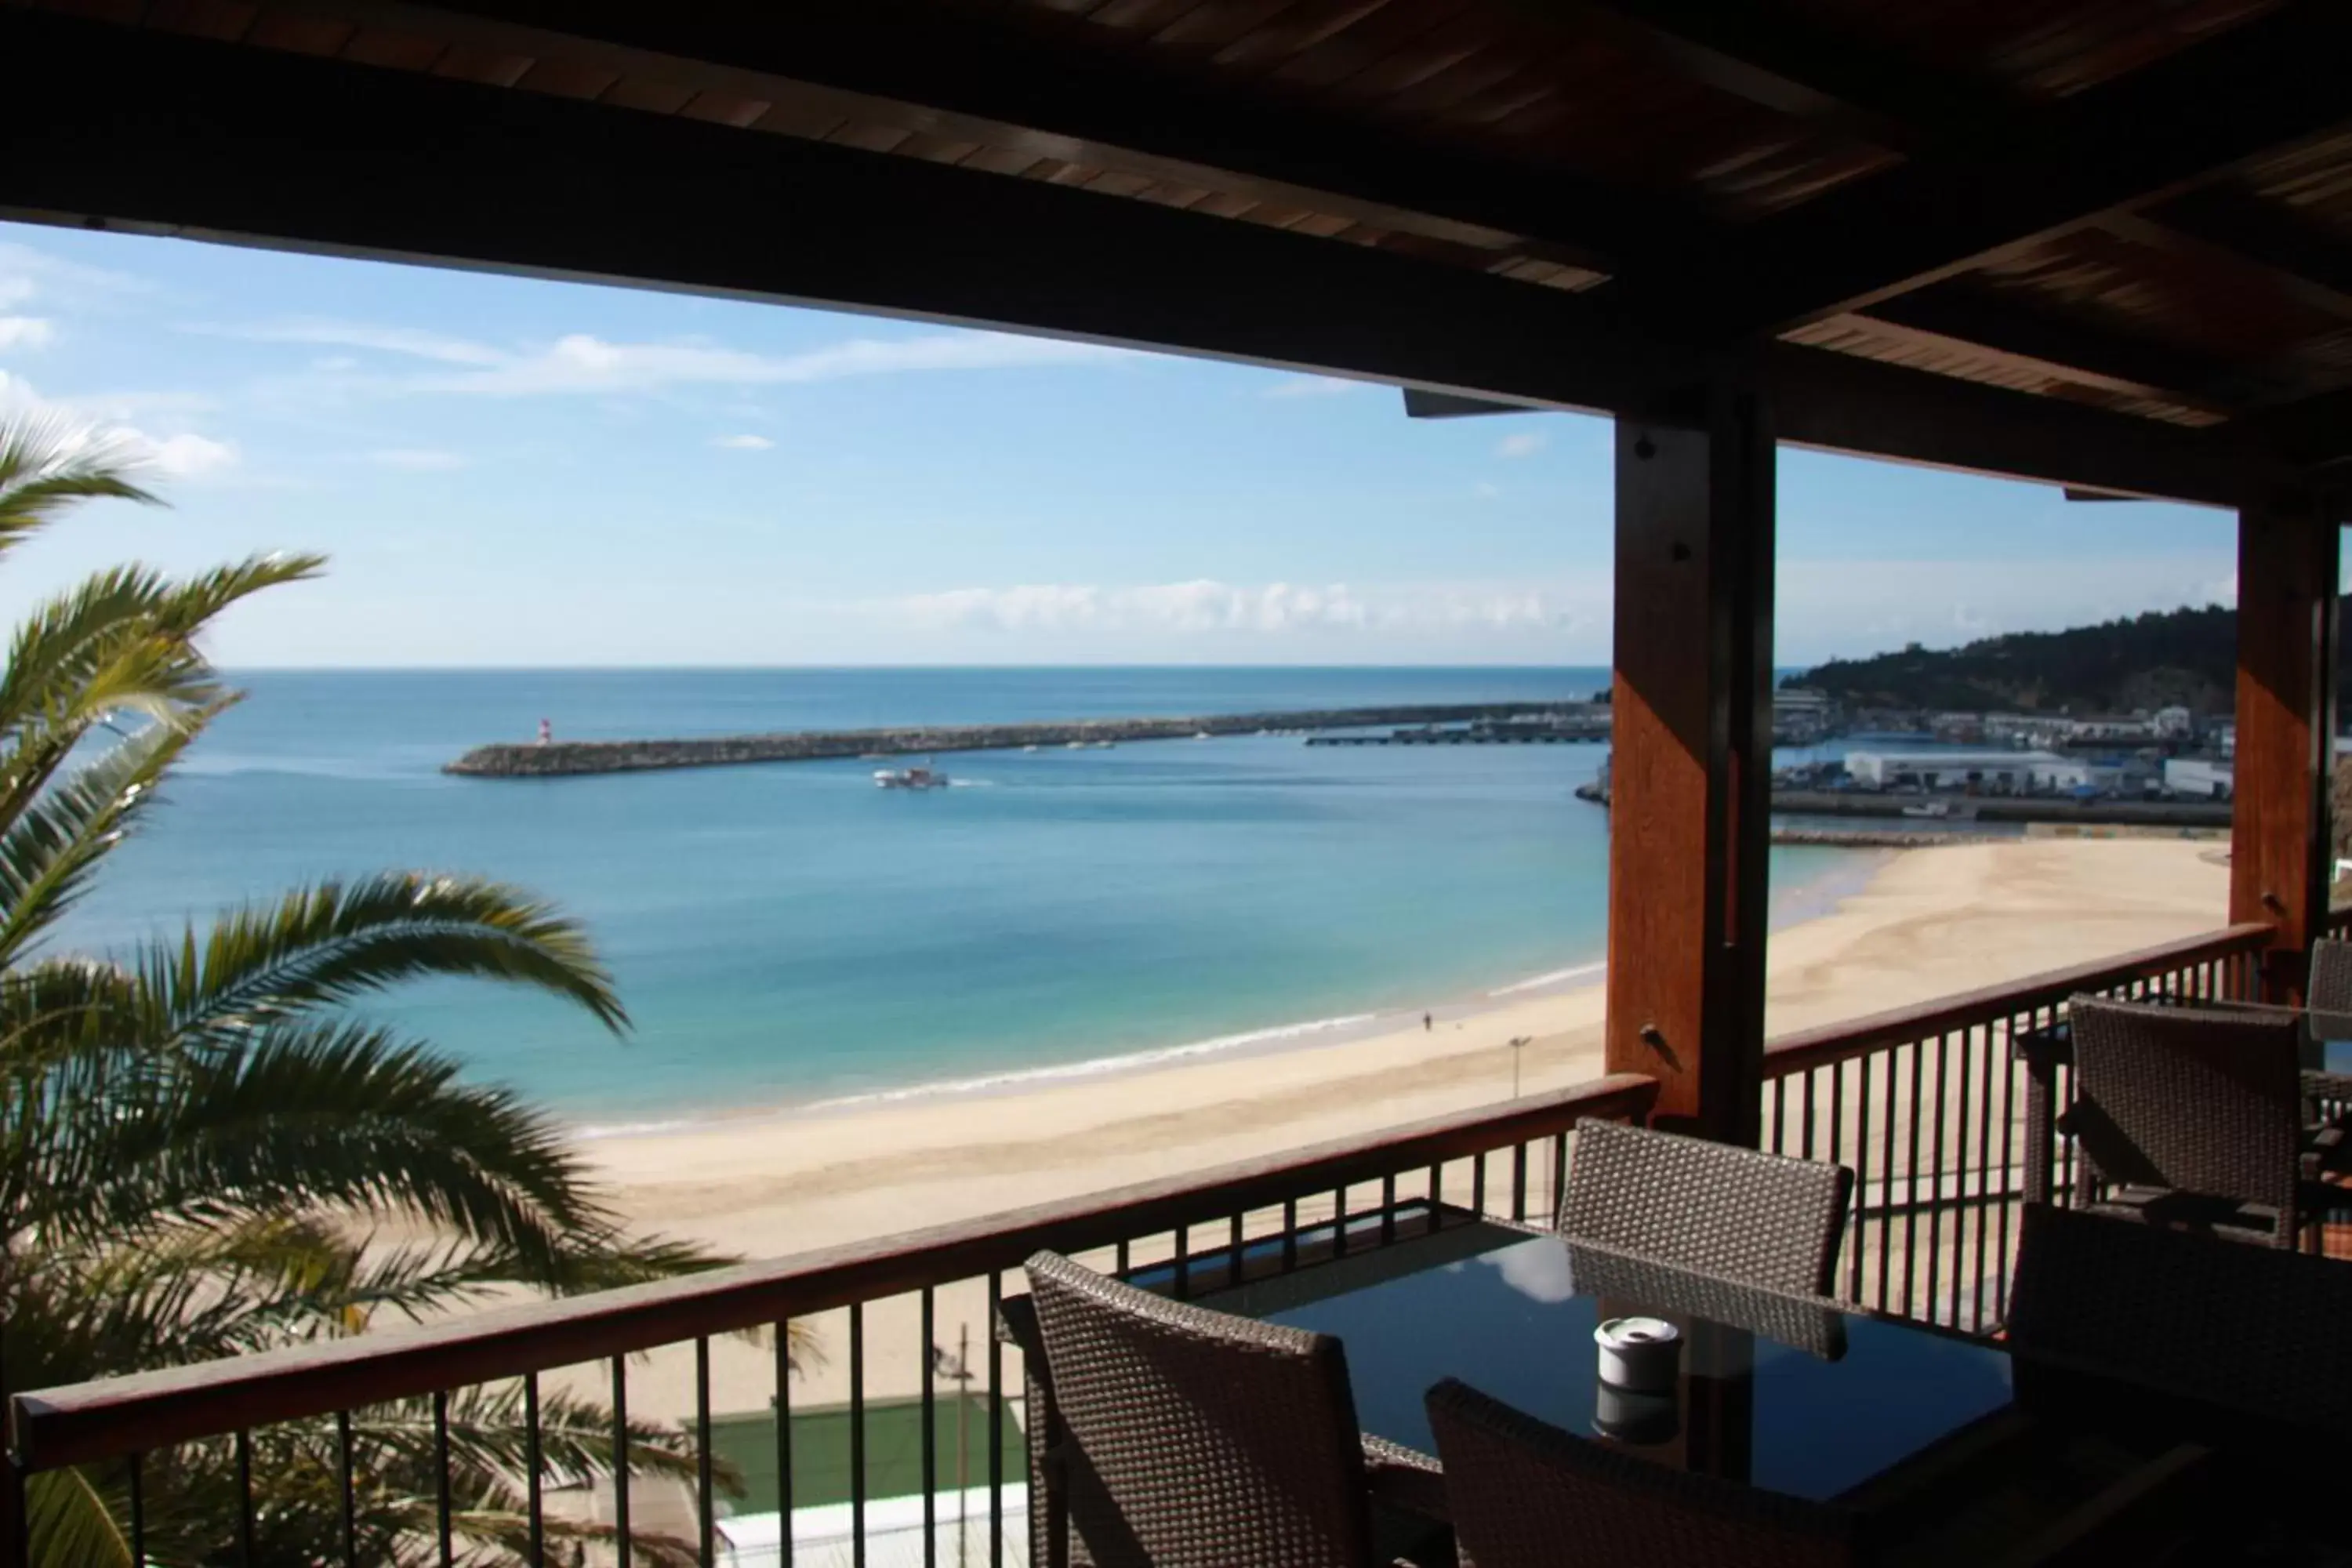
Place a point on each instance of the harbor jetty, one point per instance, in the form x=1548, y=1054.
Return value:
x=563, y=758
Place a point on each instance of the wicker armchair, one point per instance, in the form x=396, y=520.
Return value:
x=2252, y=1330
x=2194, y=1117
x=2328, y=994
x=1758, y=1219
x=1181, y=1436
x=1525, y=1494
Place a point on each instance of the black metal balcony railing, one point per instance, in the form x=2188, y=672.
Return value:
x=1926, y=1104
x=127, y=1433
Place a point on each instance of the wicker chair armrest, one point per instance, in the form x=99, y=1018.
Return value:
x=2326, y=1152
x=1404, y=1477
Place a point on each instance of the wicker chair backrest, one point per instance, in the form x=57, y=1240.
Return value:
x=1195, y=1438
x=1525, y=1494
x=2189, y=1098
x=2245, y=1328
x=2328, y=992
x=1760, y=1219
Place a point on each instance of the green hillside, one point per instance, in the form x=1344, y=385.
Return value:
x=2186, y=658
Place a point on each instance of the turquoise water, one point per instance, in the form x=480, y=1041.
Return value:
x=791, y=933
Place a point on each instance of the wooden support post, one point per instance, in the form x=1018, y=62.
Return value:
x=1691, y=762
x=2279, y=850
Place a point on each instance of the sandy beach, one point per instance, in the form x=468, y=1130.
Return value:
x=1928, y=923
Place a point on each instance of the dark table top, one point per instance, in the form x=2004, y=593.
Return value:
x=1794, y=1396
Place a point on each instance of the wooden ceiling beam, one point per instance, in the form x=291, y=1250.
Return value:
x=1973, y=319
x=1775, y=60
x=1060, y=93
x=2235, y=229
x=239, y=145
x=2147, y=137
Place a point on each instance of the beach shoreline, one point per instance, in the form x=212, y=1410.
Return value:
x=1806, y=900
x=1925, y=923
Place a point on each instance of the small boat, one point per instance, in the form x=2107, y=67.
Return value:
x=1929, y=808
x=1201, y=735
x=1102, y=745
x=910, y=778
x=1073, y=746
x=1028, y=748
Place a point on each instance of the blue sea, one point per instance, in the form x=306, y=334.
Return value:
x=787, y=934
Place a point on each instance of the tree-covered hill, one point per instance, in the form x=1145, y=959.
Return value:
x=2186, y=657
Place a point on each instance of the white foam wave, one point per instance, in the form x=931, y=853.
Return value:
x=1553, y=978
x=1023, y=1078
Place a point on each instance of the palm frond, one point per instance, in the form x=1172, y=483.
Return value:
x=48, y=849
x=333, y=941
x=69, y=1521
x=61, y=650
x=48, y=463
x=331, y=1115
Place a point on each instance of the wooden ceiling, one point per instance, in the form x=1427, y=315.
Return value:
x=2138, y=208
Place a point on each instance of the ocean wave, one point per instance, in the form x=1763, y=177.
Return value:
x=1012, y=1079
x=1556, y=977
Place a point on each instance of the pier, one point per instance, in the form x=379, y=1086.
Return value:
x=562, y=759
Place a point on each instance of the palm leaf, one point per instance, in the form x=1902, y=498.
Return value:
x=48, y=849
x=339, y=1115
x=71, y=1523
x=336, y=941
x=59, y=651
x=50, y=463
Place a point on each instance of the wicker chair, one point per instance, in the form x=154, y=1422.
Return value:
x=1525, y=1494
x=2194, y=1117
x=1758, y=1219
x=1181, y=1436
x=2257, y=1332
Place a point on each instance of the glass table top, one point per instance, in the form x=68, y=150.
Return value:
x=1795, y=1397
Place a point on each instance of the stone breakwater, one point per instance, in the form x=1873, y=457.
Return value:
x=568, y=758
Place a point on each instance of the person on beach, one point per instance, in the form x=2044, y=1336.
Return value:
x=1425, y=1023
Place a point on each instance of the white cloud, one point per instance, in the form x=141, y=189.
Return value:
x=1208, y=606
x=26, y=272
x=25, y=332
x=418, y=459
x=582, y=363
x=185, y=456
x=1487, y=490
x=743, y=443
x=411, y=342
x=1312, y=386
x=181, y=454
x=1522, y=444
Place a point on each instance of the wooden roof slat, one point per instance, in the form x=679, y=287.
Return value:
x=1776, y=58
x=2266, y=234
x=276, y=28
x=2068, y=348
x=727, y=109
x=193, y=140
x=2143, y=138
x=1297, y=29
x=491, y=68
x=568, y=78
x=991, y=83
x=225, y=20
x=648, y=93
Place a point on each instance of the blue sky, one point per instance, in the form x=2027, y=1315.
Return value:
x=509, y=472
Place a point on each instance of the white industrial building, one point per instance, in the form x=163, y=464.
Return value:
x=2198, y=778
x=1987, y=773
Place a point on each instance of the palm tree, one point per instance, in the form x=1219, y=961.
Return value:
x=205, y=1149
